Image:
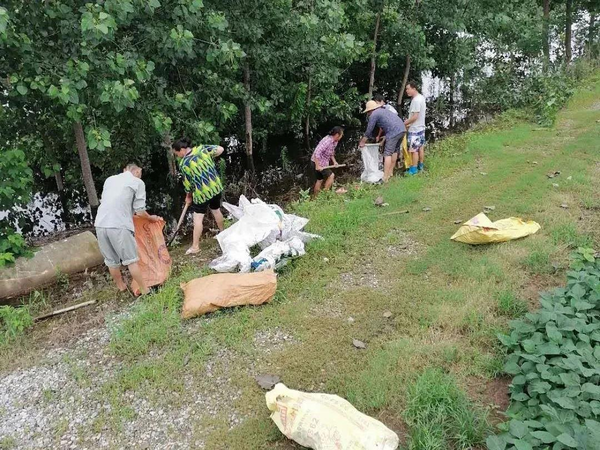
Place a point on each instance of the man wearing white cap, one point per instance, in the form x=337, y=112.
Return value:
x=394, y=130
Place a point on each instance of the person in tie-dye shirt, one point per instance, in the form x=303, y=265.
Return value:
x=202, y=183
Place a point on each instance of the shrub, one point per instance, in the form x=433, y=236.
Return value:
x=15, y=190
x=13, y=322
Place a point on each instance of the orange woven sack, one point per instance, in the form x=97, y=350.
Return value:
x=207, y=294
x=155, y=262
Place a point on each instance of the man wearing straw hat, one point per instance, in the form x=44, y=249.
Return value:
x=394, y=130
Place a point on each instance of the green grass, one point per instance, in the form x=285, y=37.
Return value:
x=440, y=415
x=510, y=305
x=448, y=300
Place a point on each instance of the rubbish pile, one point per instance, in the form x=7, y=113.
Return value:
x=325, y=421
x=278, y=235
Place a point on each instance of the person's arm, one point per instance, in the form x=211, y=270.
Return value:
x=379, y=135
x=144, y=215
x=362, y=142
x=139, y=204
x=335, y=163
x=371, y=125
x=217, y=151
x=414, y=117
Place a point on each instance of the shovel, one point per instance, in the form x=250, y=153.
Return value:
x=185, y=208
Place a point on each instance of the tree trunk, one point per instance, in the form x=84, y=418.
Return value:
x=403, y=87
x=452, y=100
x=86, y=169
x=374, y=54
x=60, y=186
x=248, y=109
x=167, y=144
x=546, y=34
x=307, y=120
x=591, y=34
x=568, y=24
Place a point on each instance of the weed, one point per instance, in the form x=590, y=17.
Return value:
x=8, y=443
x=13, y=322
x=440, y=416
x=62, y=280
x=538, y=262
x=37, y=302
x=509, y=305
x=567, y=234
x=286, y=164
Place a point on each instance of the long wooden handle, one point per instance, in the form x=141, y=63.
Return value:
x=185, y=208
x=64, y=310
x=333, y=166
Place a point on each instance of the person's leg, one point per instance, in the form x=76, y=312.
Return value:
x=136, y=274
x=317, y=187
x=218, y=215
x=215, y=208
x=329, y=182
x=117, y=276
x=198, y=228
x=111, y=256
x=422, y=155
x=387, y=162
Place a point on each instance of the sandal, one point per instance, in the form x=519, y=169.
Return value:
x=192, y=251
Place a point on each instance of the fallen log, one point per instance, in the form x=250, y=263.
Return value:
x=67, y=256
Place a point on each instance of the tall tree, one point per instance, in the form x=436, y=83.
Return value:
x=546, y=33
x=568, y=31
x=374, y=51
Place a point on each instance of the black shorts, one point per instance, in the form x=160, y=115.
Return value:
x=320, y=174
x=214, y=204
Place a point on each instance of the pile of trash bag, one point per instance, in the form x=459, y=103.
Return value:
x=278, y=235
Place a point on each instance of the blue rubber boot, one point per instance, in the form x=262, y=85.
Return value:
x=413, y=170
x=420, y=166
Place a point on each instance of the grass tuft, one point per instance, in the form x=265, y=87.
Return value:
x=440, y=416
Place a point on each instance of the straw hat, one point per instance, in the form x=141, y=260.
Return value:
x=371, y=105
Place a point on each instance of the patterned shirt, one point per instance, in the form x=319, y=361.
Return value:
x=324, y=151
x=200, y=175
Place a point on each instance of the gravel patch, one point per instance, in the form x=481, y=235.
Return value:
x=59, y=403
x=271, y=340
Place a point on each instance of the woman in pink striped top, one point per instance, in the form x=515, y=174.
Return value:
x=322, y=156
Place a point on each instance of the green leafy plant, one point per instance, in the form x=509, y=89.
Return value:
x=554, y=356
x=13, y=322
x=15, y=191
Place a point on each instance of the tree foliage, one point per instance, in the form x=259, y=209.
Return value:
x=135, y=74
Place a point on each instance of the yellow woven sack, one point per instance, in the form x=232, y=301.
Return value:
x=481, y=230
x=326, y=422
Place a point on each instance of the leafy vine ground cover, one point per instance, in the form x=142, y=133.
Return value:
x=555, y=359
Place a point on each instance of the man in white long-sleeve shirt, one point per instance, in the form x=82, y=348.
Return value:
x=123, y=196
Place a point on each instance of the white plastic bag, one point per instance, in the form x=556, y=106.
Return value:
x=370, y=157
x=326, y=422
x=262, y=224
x=257, y=222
